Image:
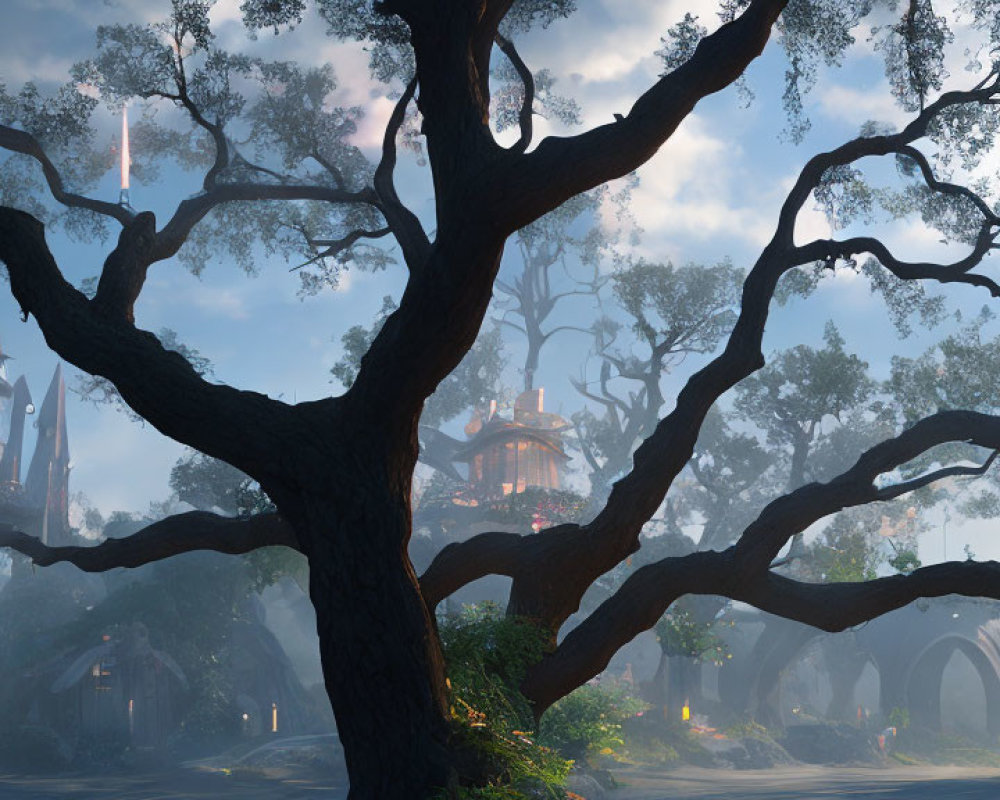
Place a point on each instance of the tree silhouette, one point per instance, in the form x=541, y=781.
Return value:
x=339, y=469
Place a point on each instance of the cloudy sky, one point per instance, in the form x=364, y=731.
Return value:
x=711, y=193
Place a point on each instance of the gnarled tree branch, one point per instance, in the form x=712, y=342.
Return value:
x=561, y=167
x=336, y=246
x=191, y=211
x=159, y=384
x=180, y=533
x=743, y=572
x=460, y=563
x=22, y=142
x=404, y=223
x=524, y=117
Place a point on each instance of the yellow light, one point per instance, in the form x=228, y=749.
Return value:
x=274, y=717
x=686, y=713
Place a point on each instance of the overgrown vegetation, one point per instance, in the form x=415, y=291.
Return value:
x=487, y=655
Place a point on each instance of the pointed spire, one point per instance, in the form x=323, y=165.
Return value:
x=47, y=486
x=10, y=464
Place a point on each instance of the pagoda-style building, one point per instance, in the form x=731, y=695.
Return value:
x=507, y=456
x=39, y=506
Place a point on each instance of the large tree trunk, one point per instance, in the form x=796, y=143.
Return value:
x=381, y=657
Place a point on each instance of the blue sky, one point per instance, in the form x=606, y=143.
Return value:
x=712, y=192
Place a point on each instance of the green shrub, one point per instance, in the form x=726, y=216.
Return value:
x=487, y=654
x=899, y=718
x=589, y=720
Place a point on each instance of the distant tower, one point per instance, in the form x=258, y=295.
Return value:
x=6, y=400
x=10, y=463
x=47, y=485
x=507, y=456
x=126, y=162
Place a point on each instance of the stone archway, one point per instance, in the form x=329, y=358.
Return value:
x=923, y=682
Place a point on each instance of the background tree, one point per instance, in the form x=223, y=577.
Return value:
x=673, y=313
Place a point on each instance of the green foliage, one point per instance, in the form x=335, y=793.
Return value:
x=268, y=565
x=680, y=634
x=487, y=654
x=589, y=721
x=845, y=552
x=206, y=482
x=679, y=310
x=747, y=728
x=899, y=717
x=801, y=386
x=961, y=371
x=680, y=42
x=914, y=53
x=905, y=561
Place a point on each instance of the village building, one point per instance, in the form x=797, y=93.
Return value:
x=509, y=456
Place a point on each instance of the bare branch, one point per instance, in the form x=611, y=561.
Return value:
x=460, y=563
x=794, y=512
x=863, y=146
x=191, y=211
x=957, y=272
x=524, y=118
x=838, y=606
x=181, y=533
x=21, y=142
x=336, y=246
x=329, y=166
x=650, y=590
x=944, y=187
x=891, y=492
x=587, y=649
x=404, y=223
x=214, y=129
x=559, y=328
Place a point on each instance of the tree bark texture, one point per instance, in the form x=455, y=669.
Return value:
x=382, y=662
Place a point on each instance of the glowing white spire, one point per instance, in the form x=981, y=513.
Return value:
x=126, y=160
x=123, y=197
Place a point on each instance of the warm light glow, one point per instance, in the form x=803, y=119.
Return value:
x=274, y=717
x=126, y=158
x=686, y=713
x=131, y=716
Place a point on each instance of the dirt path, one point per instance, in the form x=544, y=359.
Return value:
x=180, y=784
x=689, y=783
x=812, y=783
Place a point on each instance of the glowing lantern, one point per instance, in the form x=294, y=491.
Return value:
x=686, y=712
x=274, y=717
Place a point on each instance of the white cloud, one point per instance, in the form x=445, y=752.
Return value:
x=688, y=189
x=855, y=106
